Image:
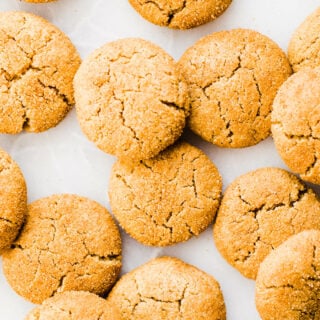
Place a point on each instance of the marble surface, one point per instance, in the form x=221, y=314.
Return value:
x=62, y=160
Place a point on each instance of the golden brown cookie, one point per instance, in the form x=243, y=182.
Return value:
x=13, y=199
x=168, y=288
x=74, y=305
x=68, y=243
x=37, y=66
x=38, y=1
x=296, y=123
x=180, y=14
x=259, y=211
x=288, y=282
x=233, y=78
x=167, y=199
x=131, y=100
x=304, y=46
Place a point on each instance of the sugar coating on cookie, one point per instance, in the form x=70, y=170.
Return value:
x=288, y=282
x=180, y=14
x=37, y=66
x=68, y=243
x=167, y=199
x=13, y=199
x=233, y=77
x=296, y=123
x=168, y=288
x=74, y=305
x=259, y=211
x=131, y=100
x=304, y=45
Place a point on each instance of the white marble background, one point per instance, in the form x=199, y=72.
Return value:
x=62, y=160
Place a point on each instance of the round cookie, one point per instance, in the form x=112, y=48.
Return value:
x=296, y=123
x=288, y=282
x=168, y=288
x=130, y=98
x=304, y=45
x=259, y=211
x=13, y=199
x=68, y=243
x=38, y=1
x=233, y=78
x=37, y=66
x=167, y=199
x=179, y=14
x=74, y=305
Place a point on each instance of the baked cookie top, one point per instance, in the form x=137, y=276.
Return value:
x=74, y=305
x=167, y=199
x=233, y=78
x=37, y=66
x=259, y=211
x=68, y=243
x=180, y=14
x=168, y=288
x=130, y=98
x=38, y=1
x=296, y=123
x=288, y=282
x=13, y=199
x=304, y=46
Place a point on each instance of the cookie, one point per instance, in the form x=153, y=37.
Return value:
x=179, y=14
x=233, y=77
x=288, y=282
x=296, y=123
x=259, y=211
x=304, y=47
x=167, y=199
x=13, y=199
x=130, y=98
x=74, y=305
x=168, y=288
x=37, y=66
x=38, y=1
x=68, y=243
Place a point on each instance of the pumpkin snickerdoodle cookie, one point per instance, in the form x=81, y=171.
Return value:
x=180, y=14
x=131, y=100
x=233, y=78
x=259, y=211
x=68, y=243
x=74, y=305
x=168, y=288
x=304, y=46
x=167, y=199
x=288, y=282
x=37, y=65
x=296, y=123
x=13, y=199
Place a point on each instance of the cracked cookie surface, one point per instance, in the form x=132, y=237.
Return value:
x=288, y=282
x=304, y=45
x=296, y=123
x=167, y=199
x=131, y=100
x=168, y=288
x=67, y=243
x=13, y=199
x=74, y=305
x=233, y=78
x=37, y=66
x=180, y=14
x=259, y=211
